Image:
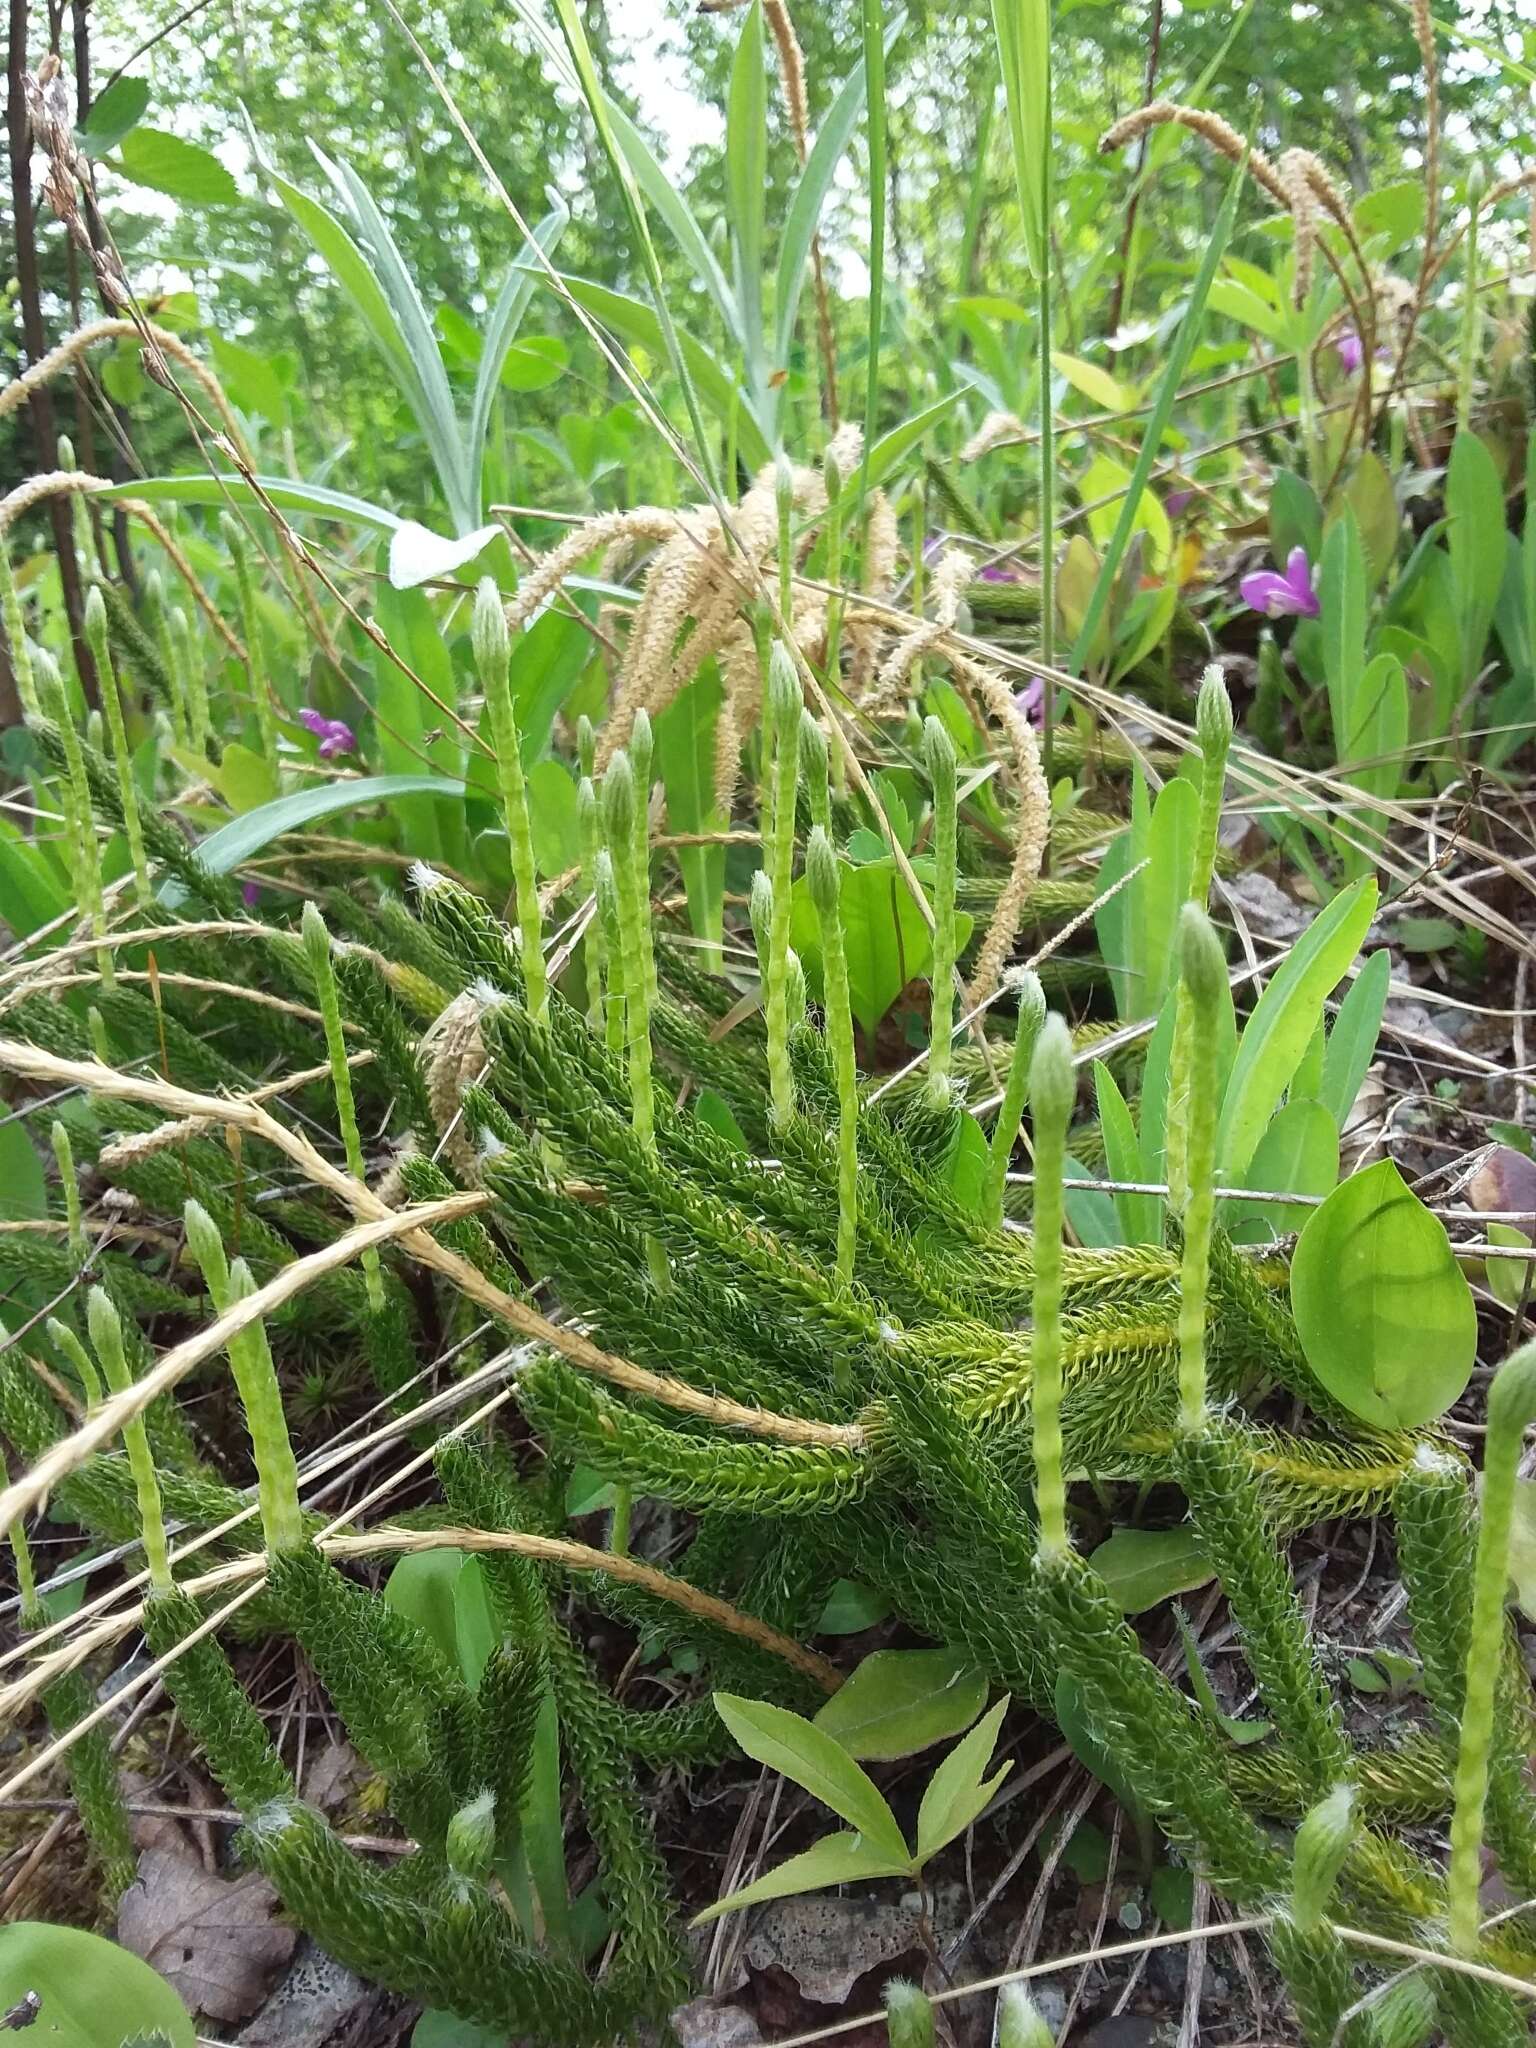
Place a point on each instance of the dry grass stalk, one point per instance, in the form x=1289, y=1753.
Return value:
x=73, y=346
x=997, y=430
x=792, y=71
x=1211, y=128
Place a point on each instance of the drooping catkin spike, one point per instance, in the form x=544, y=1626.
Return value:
x=594, y=956
x=107, y=1341
x=317, y=951
x=618, y=804
x=821, y=867
x=250, y=1359
x=1511, y=1409
x=1204, y=976
x=1015, y=1091
x=1213, y=727
x=493, y=659
x=101, y=653
x=781, y=718
x=250, y=631
x=939, y=754
x=1052, y=1092
x=14, y=623
x=69, y=1187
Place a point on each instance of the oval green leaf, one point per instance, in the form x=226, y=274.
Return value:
x=1384, y=1312
x=788, y=1743
x=840, y=1859
x=900, y=1701
x=93, y=1993
x=1144, y=1566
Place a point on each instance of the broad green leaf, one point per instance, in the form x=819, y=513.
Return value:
x=1235, y=301
x=31, y=890
x=1118, y=921
x=1375, y=736
x=23, y=1182
x=422, y=1587
x=1107, y=485
x=839, y=1859
x=121, y=107
x=553, y=818
x=94, y=1993
x=901, y=1701
x=1142, y=1567
x=1162, y=891
x=253, y=380
x=957, y=1792
x=716, y=1114
x=886, y=940
x=1107, y=392
x=661, y=190
x=1384, y=1313
x=1297, y=1155
x=437, y=2029
x=1370, y=496
x=1522, y=1549
x=534, y=363
x=965, y=1164
x=1283, y=1020
x=206, y=489
x=1295, y=518
x=788, y=1743
x=1140, y=1215
x=1082, y=1737
x=404, y=715
x=1395, y=211
x=685, y=756
x=1352, y=1041
x=1474, y=504
x=181, y=170
x=1506, y=1278
x=244, y=778
x=500, y=334
x=850, y=1609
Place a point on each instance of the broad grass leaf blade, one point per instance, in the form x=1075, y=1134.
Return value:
x=1384, y=1313
x=1141, y=1216
x=225, y=849
x=1283, y=1021
x=501, y=332
x=892, y=449
x=206, y=488
x=662, y=193
x=1352, y=1041
x=839, y=1859
x=93, y=1993
x=1342, y=596
x=1023, y=29
x=956, y=1792
x=746, y=173
x=1162, y=410
x=685, y=754
x=901, y=1701
x=805, y=209
x=1474, y=504
x=788, y=1743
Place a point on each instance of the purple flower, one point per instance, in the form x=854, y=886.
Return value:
x=250, y=893
x=1031, y=701
x=1177, y=503
x=1350, y=350
x=1290, y=596
x=334, y=734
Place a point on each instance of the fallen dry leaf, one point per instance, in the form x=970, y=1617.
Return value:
x=213, y=1938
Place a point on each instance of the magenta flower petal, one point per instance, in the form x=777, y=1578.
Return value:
x=314, y=721
x=1291, y=596
x=1350, y=350
x=1031, y=701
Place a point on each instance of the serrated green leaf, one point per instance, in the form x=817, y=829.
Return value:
x=121, y=107
x=179, y=169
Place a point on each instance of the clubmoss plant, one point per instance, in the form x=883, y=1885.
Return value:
x=237, y=545
x=782, y=708
x=106, y=670
x=493, y=659
x=106, y=1332
x=1202, y=984
x=1052, y=1090
x=822, y=873
x=939, y=754
x=1005, y=1130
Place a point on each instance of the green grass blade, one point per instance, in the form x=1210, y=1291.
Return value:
x=746, y=176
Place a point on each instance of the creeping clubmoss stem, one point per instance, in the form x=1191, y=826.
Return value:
x=1204, y=979
x=822, y=874
x=493, y=658
x=1052, y=1091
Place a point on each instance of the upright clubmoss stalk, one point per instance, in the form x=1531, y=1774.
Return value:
x=250, y=1359
x=784, y=493
x=1052, y=1092
x=1213, y=728
x=1015, y=1092
x=493, y=659
x=12, y=619
x=815, y=765
x=199, y=716
x=107, y=1342
x=68, y=1346
x=594, y=951
x=641, y=748
x=69, y=1187
x=822, y=873
x=157, y=621
x=939, y=752
x=833, y=568
x=776, y=1001
x=633, y=933
x=606, y=890
x=101, y=654
x=317, y=948
x=783, y=707
x=1511, y=1410
x=1204, y=975
x=1020, y=2023
x=250, y=628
